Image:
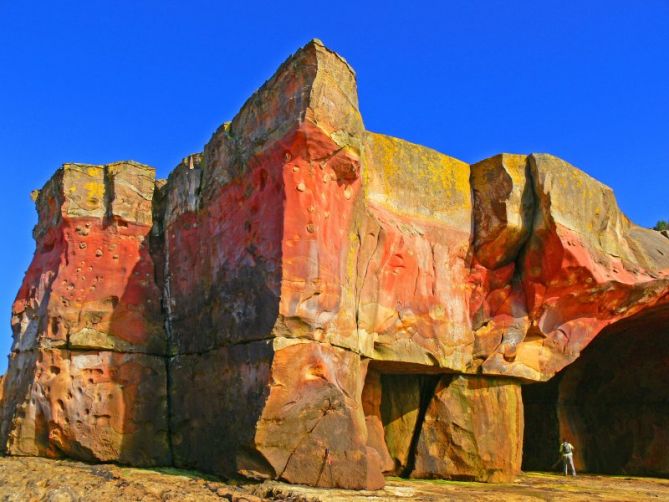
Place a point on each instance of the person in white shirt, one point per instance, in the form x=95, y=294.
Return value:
x=567, y=452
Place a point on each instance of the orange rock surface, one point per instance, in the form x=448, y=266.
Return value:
x=312, y=302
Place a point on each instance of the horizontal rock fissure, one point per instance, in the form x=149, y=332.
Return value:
x=83, y=350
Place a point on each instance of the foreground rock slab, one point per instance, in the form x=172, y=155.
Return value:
x=26, y=479
x=38, y=479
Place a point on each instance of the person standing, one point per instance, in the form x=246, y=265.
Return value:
x=567, y=452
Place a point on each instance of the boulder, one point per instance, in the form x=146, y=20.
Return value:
x=472, y=430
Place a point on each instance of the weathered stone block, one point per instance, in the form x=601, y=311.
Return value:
x=473, y=429
x=302, y=419
x=412, y=260
x=94, y=406
x=403, y=402
x=91, y=283
x=503, y=208
x=371, y=404
x=312, y=430
x=217, y=398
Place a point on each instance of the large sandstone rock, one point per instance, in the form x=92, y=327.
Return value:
x=473, y=429
x=87, y=375
x=308, y=301
x=582, y=267
x=273, y=201
x=91, y=282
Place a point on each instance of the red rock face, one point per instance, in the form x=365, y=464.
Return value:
x=312, y=302
x=91, y=283
x=87, y=374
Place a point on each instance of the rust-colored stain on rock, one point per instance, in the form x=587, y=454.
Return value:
x=311, y=302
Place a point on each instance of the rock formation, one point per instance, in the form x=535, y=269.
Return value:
x=87, y=376
x=312, y=302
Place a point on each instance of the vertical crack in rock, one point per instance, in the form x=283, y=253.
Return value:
x=507, y=208
x=108, y=197
x=427, y=389
x=512, y=338
x=180, y=192
x=160, y=253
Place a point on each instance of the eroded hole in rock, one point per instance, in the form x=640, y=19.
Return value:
x=612, y=403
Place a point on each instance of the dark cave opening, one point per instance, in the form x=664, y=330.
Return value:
x=612, y=403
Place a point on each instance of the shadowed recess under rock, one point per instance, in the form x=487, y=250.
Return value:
x=613, y=402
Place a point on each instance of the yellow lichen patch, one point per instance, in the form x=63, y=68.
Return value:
x=581, y=204
x=94, y=193
x=415, y=180
x=83, y=187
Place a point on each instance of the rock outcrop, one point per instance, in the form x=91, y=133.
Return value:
x=311, y=302
x=87, y=374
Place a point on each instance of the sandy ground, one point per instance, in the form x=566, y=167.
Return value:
x=38, y=479
x=527, y=487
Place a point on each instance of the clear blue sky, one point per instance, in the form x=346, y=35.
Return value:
x=150, y=80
